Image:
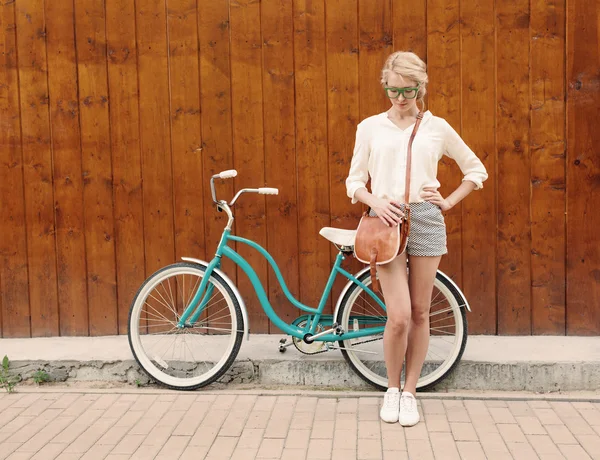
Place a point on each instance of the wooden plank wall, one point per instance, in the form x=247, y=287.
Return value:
x=115, y=114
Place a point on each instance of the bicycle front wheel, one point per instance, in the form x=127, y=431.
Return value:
x=198, y=354
x=448, y=333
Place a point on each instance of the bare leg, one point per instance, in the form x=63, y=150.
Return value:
x=421, y=279
x=394, y=284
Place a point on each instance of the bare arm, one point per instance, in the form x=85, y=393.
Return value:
x=388, y=211
x=435, y=197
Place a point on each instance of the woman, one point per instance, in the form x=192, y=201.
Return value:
x=380, y=152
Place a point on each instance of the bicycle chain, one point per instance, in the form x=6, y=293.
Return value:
x=327, y=349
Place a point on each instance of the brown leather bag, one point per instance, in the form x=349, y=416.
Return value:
x=378, y=244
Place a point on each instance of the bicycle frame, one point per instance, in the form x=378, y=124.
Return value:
x=200, y=299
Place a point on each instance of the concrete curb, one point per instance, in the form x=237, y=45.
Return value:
x=336, y=374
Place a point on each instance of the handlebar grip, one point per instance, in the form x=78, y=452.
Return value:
x=228, y=174
x=268, y=191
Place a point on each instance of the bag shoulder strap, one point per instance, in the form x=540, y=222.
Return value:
x=408, y=157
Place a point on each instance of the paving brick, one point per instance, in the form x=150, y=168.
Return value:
x=496, y=403
x=270, y=448
x=368, y=412
x=346, y=421
x=104, y=402
x=250, y=438
x=443, y=446
x=302, y=420
x=437, y=423
x=345, y=439
x=547, y=416
x=419, y=431
x=9, y=414
x=193, y=452
x=47, y=434
x=419, y=449
x=89, y=437
x=520, y=408
x=50, y=451
x=26, y=400
x=502, y=415
x=322, y=429
x=560, y=434
x=492, y=443
x=223, y=447
x=433, y=406
x=79, y=425
x=129, y=444
x=266, y=403
x=577, y=425
x=278, y=425
x=470, y=450
x=543, y=444
x=591, y=443
x=369, y=449
x=395, y=455
x=347, y=405
x=394, y=441
x=521, y=450
x=293, y=454
x=244, y=454
x=592, y=416
x=573, y=452
x=308, y=404
x=173, y=448
x=530, y=425
x=97, y=452
x=512, y=433
x=463, y=432
x=369, y=429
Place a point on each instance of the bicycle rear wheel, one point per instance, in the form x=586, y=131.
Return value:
x=448, y=333
x=198, y=354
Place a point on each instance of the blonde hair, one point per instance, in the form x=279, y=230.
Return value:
x=407, y=65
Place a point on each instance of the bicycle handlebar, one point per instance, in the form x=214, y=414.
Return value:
x=232, y=173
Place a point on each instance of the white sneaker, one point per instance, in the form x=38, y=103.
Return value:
x=409, y=413
x=391, y=405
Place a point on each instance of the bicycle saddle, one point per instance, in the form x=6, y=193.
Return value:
x=339, y=236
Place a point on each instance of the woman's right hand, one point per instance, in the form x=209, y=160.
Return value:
x=388, y=211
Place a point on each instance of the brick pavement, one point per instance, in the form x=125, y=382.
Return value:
x=68, y=425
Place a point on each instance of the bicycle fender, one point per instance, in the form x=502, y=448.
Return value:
x=364, y=270
x=233, y=288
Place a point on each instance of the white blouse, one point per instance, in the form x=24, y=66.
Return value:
x=380, y=152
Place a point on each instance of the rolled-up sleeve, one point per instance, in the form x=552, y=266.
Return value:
x=470, y=165
x=359, y=167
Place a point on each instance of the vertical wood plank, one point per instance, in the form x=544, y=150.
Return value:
x=311, y=147
x=410, y=26
x=248, y=145
x=375, y=45
x=66, y=154
x=90, y=43
x=125, y=147
x=155, y=135
x=478, y=125
x=37, y=167
x=342, y=116
x=215, y=101
x=13, y=246
x=547, y=145
x=186, y=139
x=583, y=168
x=280, y=159
x=513, y=163
x=443, y=98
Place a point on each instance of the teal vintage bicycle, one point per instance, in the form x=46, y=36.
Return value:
x=187, y=321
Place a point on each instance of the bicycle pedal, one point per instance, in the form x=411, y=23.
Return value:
x=282, y=341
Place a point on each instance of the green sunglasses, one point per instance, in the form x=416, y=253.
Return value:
x=408, y=93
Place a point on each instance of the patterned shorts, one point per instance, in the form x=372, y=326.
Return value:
x=427, y=235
